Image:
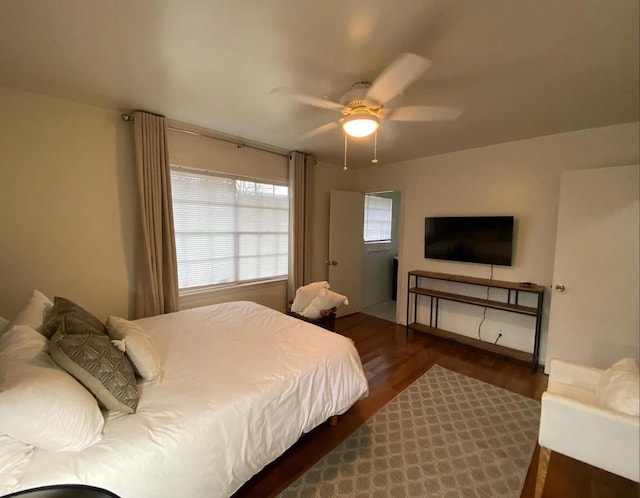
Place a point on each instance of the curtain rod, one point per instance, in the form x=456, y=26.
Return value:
x=239, y=145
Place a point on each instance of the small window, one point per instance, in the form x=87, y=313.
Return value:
x=377, y=218
x=228, y=229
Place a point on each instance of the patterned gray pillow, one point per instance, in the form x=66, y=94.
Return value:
x=96, y=363
x=65, y=307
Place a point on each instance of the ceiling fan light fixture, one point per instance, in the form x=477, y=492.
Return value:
x=360, y=125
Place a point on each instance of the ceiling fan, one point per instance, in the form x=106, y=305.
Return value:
x=364, y=105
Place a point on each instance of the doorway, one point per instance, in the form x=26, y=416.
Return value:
x=380, y=254
x=593, y=317
x=346, y=215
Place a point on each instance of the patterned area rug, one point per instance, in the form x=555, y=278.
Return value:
x=446, y=435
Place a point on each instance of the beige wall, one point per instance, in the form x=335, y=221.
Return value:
x=67, y=179
x=272, y=294
x=325, y=177
x=518, y=178
x=214, y=155
x=67, y=184
x=206, y=153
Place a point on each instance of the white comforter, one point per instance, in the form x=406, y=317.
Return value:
x=241, y=384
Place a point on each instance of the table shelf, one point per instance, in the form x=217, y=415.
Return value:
x=512, y=288
x=476, y=343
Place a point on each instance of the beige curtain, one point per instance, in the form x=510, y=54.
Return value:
x=157, y=272
x=299, y=220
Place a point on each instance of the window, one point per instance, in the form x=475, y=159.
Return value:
x=228, y=229
x=377, y=218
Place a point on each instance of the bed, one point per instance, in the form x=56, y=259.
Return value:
x=241, y=383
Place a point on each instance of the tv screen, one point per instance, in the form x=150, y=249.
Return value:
x=472, y=239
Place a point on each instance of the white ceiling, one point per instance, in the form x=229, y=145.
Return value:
x=520, y=68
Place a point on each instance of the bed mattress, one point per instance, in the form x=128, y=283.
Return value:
x=241, y=383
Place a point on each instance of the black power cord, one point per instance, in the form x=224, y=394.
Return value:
x=484, y=313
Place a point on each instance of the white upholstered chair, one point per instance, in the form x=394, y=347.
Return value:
x=575, y=422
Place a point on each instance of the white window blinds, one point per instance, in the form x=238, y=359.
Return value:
x=228, y=229
x=377, y=218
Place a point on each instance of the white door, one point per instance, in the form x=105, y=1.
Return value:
x=346, y=224
x=594, y=306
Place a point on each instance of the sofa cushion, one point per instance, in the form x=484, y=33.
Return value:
x=577, y=393
x=619, y=387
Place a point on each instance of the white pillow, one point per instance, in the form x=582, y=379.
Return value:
x=326, y=299
x=14, y=457
x=131, y=338
x=33, y=312
x=305, y=294
x=41, y=404
x=619, y=387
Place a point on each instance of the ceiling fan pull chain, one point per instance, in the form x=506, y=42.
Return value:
x=375, y=148
x=345, y=151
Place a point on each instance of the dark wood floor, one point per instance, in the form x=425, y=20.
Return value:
x=392, y=361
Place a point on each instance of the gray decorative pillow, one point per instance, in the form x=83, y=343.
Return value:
x=65, y=307
x=96, y=363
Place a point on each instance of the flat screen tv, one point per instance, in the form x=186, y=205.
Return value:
x=472, y=239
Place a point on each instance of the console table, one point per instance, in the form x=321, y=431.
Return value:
x=511, y=305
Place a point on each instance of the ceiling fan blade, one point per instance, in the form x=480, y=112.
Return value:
x=320, y=129
x=396, y=77
x=425, y=113
x=308, y=99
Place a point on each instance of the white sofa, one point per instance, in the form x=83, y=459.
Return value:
x=575, y=422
